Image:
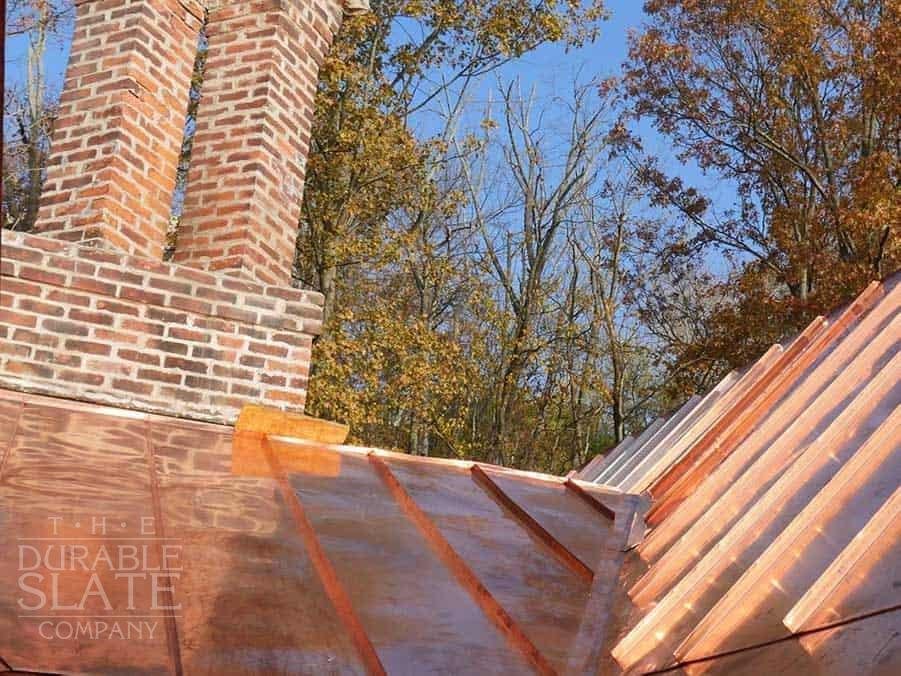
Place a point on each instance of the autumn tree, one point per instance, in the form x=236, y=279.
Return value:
x=796, y=104
x=366, y=160
x=380, y=234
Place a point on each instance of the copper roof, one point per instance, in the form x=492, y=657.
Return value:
x=291, y=557
x=774, y=529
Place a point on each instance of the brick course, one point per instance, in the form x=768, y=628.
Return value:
x=119, y=329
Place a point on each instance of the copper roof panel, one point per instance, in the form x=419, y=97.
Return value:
x=601, y=465
x=842, y=361
x=742, y=491
x=63, y=470
x=245, y=568
x=753, y=609
x=862, y=579
x=679, y=611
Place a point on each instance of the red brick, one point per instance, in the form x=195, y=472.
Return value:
x=21, y=368
x=244, y=391
x=191, y=305
x=133, y=386
x=16, y=253
x=18, y=287
x=56, y=357
x=88, y=347
x=252, y=361
x=170, y=346
x=122, y=276
x=211, y=324
x=118, y=308
x=125, y=205
x=93, y=285
x=160, y=376
x=63, y=327
x=201, y=352
x=35, y=338
x=139, y=356
x=185, y=365
x=91, y=317
x=209, y=293
x=142, y=296
x=15, y=349
x=231, y=312
x=60, y=296
x=208, y=384
x=42, y=276
x=138, y=326
x=271, y=350
x=226, y=371
x=166, y=284
x=192, y=335
x=81, y=377
x=167, y=316
x=115, y=336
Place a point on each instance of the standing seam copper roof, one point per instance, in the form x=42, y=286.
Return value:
x=302, y=558
x=774, y=531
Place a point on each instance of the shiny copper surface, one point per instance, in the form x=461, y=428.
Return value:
x=844, y=364
x=744, y=412
x=291, y=557
x=719, y=443
x=783, y=557
x=735, y=493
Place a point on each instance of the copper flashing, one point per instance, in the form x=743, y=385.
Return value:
x=588, y=645
x=590, y=500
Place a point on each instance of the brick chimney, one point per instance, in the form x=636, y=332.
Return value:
x=88, y=309
x=242, y=203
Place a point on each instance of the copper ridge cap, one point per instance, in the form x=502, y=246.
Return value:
x=447, y=462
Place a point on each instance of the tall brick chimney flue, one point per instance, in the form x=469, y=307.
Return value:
x=242, y=203
x=116, y=142
x=113, y=323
